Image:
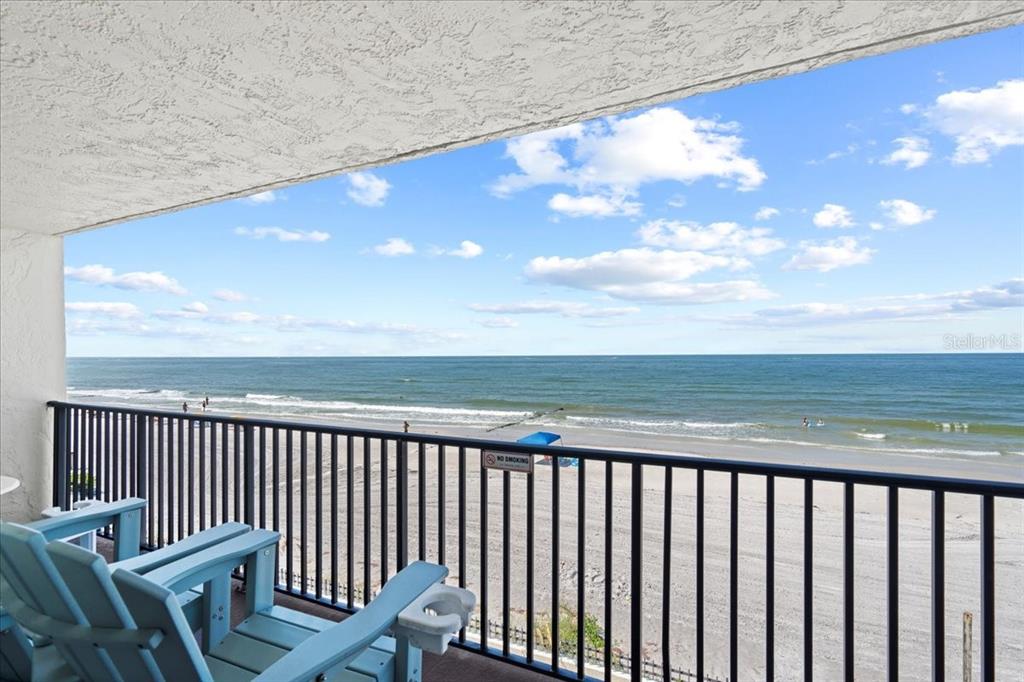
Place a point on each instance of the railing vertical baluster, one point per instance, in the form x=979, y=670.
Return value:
x=334, y=518
x=115, y=455
x=401, y=503
x=151, y=484
x=938, y=586
x=76, y=446
x=142, y=489
x=988, y=589
x=422, y=500
x=734, y=538
x=289, y=511
x=530, y=491
x=224, y=479
x=608, y=633
x=202, y=473
x=484, y=543
x=506, y=559
x=367, y=510
x=249, y=474
x=636, y=582
x=581, y=537
x=666, y=577
x=165, y=477
x=94, y=446
x=384, y=537
x=182, y=477
x=60, y=458
x=126, y=477
x=555, y=560
x=172, y=473
x=303, y=520
x=107, y=455
x=699, y=568
x=263, y=475
x=892, y=524
x=213, y=474
x=808, y=579
x=238, y=494
x=441, y=528
x=318, y=511
x=190, y=479
x=349, y=513
x=848, y=582
x=275, y=457
x=463, y=568
x=769, y=606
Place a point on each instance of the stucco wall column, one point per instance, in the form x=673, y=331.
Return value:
x=31, y=364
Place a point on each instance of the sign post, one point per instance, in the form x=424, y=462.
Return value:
x=507, y=461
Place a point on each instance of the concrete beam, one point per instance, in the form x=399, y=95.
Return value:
x=119, y=110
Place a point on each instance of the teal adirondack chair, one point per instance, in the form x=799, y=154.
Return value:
x=124, y=626
x=24, y=658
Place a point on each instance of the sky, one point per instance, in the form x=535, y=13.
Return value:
x=873, y=206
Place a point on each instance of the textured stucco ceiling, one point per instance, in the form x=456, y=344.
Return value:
x=112, y=110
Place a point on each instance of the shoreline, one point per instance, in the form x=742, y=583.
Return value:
x=1004, y=468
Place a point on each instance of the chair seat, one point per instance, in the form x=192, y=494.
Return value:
x=261, y=639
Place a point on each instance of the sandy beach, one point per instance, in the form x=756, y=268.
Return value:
x=962, y=546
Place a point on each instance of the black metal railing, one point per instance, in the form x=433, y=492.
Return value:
x=590, y=585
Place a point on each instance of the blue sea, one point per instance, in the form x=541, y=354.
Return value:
x=955, y=405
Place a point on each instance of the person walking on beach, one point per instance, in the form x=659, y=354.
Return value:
x=184, y=407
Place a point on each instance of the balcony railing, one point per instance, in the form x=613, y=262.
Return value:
x=354, y=505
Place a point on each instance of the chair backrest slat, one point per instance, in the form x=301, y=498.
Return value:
x=153, y=606
x=32, y=575
x=88, y=577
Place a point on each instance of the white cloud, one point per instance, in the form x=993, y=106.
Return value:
x=982, y=122
x=1008, y=294
x=283, y=235
x=136, y=281
x=499, y=323
x=903, y=212
x=676, y=201
x=613, y=157
x=908, y=108
x=724, y=238
x=593, y=205
x=647, y=275
x=395, y=246
x=194, y=310
x=834, y=215
x=912, y=152
x=267, y=197
x=230, y=296
x=833, y=155
x=104, y=308
x=766, y=213
x=827, y=256
x=562, y=308
x=467, y=249
x=874, y=225
x=367, y=189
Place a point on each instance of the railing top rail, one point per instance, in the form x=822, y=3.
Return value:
x=681, y=461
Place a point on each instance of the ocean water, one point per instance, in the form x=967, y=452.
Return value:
x=954, y=405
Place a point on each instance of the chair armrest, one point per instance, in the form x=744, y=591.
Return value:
x=84, y=520
x=339, y=644
x=212, y=562
x=150, y=561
